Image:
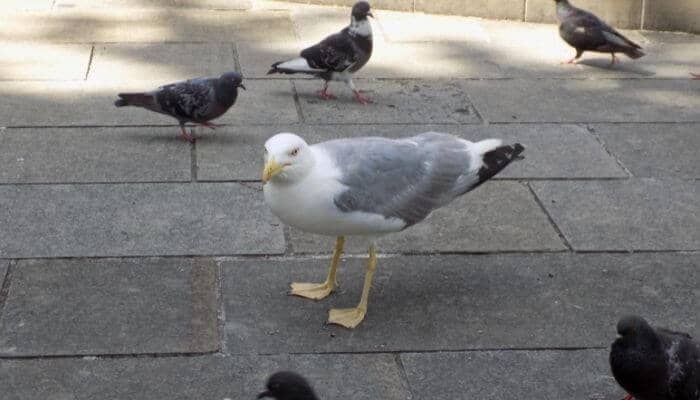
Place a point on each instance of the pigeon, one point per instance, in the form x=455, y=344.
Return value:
x=695, y=76
x=370, y=186
x=196, y=100
x=287, y=385
x=338, y=56
x=586, y=32
x=655, y=364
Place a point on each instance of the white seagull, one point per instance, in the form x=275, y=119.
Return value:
x=370, y=186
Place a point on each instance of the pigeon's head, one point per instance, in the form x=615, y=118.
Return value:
x=287, y=385
x=232, y=79
x=287, y=158
x=632, y=325
x=361, y=10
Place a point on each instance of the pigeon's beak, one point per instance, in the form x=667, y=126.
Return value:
x=272, y=169
x=242, y=86
x=264, y=394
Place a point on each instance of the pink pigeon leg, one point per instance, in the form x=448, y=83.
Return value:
x=189, y=137
x=209, y=125
x=364, y=100
x=629, y=397
x=614, y=60
x=324, y=93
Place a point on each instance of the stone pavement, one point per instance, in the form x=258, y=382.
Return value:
x=137, y=266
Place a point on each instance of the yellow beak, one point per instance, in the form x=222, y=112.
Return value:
x=271, y=169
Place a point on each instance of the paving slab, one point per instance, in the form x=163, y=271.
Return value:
x=25, y=61
x=548, y=374
x=421, y=303
x=25, y=5
x=60, y=155
x=124, y=306
x=639, y=214
x=140, y=4
x=654, y=150
x=255, y=58
x=361, y=376
x=312, y=23
x=472, y=223
x=3, y=270
x=108, y=24
x=136, y=220
x=166, y=62
x=395, y=101
x=401, y=27
x=508, y=9
x=234, y=153
x=637, y=100
x=92, y=103
x=672, y=55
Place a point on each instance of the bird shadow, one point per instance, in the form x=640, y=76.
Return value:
x=621, y=67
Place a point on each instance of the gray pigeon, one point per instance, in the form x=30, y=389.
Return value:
x=196, y=100
x=338, y=56
x=586, y=32
x=287, y=385
x=655, y=364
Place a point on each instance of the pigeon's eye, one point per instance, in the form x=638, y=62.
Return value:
x=294, y=152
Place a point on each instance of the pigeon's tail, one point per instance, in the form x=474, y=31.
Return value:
x=634, y=53
x=294, y=66
x=134, y=99
x=494, y=157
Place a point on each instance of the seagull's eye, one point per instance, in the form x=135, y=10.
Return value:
x=294, y=152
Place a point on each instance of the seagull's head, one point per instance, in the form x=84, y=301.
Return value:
x=287, y=385
x=232, y=79
x=361, y=10
x=287, y=158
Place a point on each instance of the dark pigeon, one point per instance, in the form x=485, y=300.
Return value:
x=287, y=385
x=586, y=32
x=655, y=364
x=196, y=100
x=338, y=56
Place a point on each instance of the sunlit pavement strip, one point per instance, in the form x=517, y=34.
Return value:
x=153, y=269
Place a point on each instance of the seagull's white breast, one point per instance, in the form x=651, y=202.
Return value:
x=309, y=204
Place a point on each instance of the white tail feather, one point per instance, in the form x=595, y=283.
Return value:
x=297, y=64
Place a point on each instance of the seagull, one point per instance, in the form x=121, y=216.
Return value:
x=287, y=385
x=338, y=56
x=196, y=100
x=695, y=76
x=586, y=32
x=369, y=187
x=655, y=364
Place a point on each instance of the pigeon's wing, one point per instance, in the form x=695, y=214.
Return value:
x=672, y=334
x=335, y=53
x=585, y=31
x=192, y=100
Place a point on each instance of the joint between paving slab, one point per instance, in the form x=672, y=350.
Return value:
x=193, y=161
x=221, y=310
x=433, y=351
x=549, y=217
x=600, y=141
x=98, y=356
x=237, y=62
x=403, y=373
x=92, y=54
x=5, y=284
x=297, y=103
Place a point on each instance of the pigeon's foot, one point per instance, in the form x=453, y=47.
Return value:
x=613, y=61
x=364, y=100
x=209, y=125
x=188, y=136
x=325, y=95
x=572, y=61
x=314, y=291
x=695, y=76
x=318, y=291
x=629, y=397
x=347, y=317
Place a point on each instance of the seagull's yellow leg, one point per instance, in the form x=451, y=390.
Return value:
x=351, y=317
x=318, y=291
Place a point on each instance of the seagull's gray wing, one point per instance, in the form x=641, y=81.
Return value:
x=406, y=178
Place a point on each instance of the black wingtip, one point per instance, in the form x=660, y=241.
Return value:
x=121, y=103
